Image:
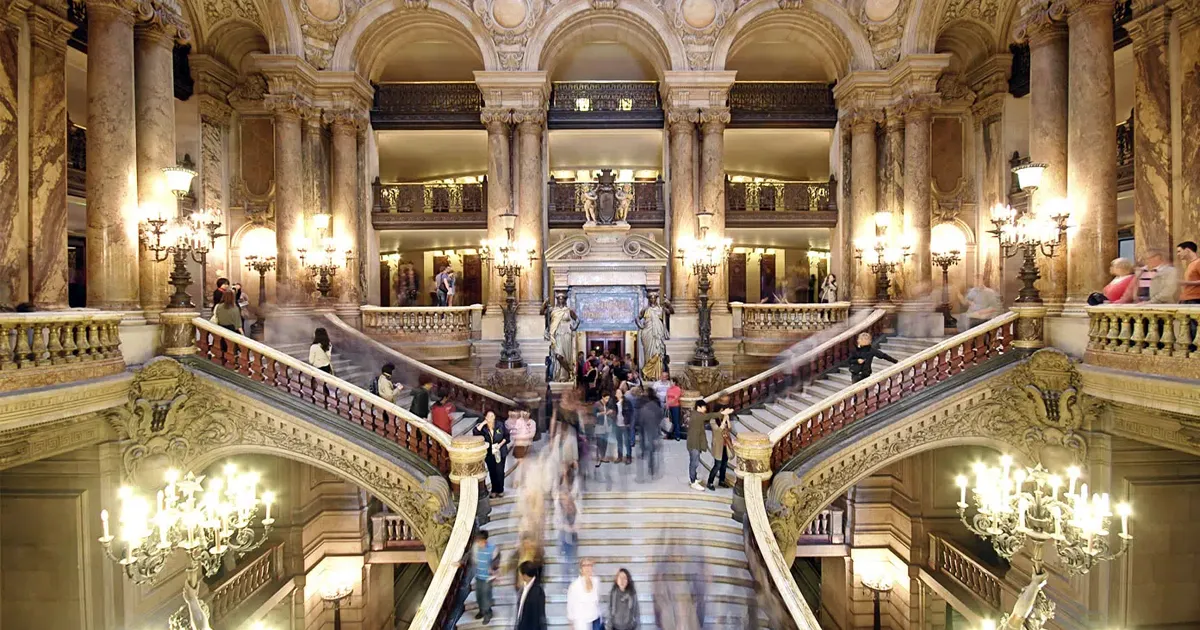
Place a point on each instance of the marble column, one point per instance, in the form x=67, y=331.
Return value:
x=712, y=189
x=154, y=99
x=48, y=160
x=13, y=252
x=499, y=188
x=289, y=199
x=864, y=201
x=343, y=194
x=843, y=254
x=1048, y=69
x=1152, y=177
x=893, y=173
x=531, y=180
x=1187, y=211
x=682, y=123
x=112, y=195
x=215, y=117
x=918, y=211
x=988, y=114
x=363, y=212
x=1091, y=151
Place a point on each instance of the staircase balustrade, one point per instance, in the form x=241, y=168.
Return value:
x=787, y=320
x=1159, y=338
x=427, y=323
x=828, y=528
x=391, y=531
x=945, y=557
x=34, y=347
x=247, y=582
x=464, y=394
x=263, y=364
x=797, y=372
x=914, y=374
x=445, y=594
x=778, y=578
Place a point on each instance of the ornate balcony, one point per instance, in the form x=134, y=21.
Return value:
x=947, y=561
x=440, y=105
x=429, y=206
x=605, y=105
x=1153, y=338
x=250, y=584
x=794, y=104
x=39, y=349
x=570, y=202
x=781, y=204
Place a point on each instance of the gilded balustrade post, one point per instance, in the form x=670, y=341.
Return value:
x=753, y=451
x=1030, y=327
x=1139, y=335
x=179, y=334
x=466, y=466
x=1152, y=334
x=23, y=346
x=54, y=344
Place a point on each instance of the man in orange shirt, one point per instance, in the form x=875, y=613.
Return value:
x=1189, y=287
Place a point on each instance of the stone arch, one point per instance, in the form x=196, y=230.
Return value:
x=643, y=26
x=925, y=26
x=969, y=42
x=380, y=21
x=283, y=28
x=832, y=27
x=233, y=39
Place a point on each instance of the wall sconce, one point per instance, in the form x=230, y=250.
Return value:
x=179, y=177
x=1029, y=175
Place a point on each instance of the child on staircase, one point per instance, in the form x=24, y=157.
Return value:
x=863, y=354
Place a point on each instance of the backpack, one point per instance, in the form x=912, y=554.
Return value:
x=373, y=386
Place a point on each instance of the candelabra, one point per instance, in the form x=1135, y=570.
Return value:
x=1017, y=507
x=261, y=264
x=179, y=241
x=325, y=265
x=205, y=224
x=1030, y=233
x=705, y=256
x=882, y=260
x=205, y=522
x=946, y=247
x=509, y=258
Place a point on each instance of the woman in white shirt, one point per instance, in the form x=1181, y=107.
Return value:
x=320, y=354
x=583, y=600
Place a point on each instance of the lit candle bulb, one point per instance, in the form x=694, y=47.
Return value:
x=268, y=499
x=1072, y=475
x=961, y=481
x=104, y=523
x=1124, y=510
x=1055, y=482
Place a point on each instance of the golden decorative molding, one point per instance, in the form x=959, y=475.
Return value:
x=19, y=410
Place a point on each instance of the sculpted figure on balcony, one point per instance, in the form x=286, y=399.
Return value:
x=606, y=203
x=653, y=336
x=561, y=324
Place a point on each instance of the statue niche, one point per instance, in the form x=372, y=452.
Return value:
x=606, y=203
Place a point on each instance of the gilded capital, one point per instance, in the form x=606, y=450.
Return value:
x=159, y=19
x=285, y=106
x=124, y=10
x=466, y=458
x=1089, y=8
x=342, y=120
x=214, y=111
x=862, y=119
x=682, y=119
x=918, y=106
x=312, y=115
x=988, y=110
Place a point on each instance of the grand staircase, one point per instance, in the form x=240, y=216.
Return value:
x=763, y=418
x=670, y=538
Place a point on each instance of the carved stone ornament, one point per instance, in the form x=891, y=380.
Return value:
x=884, y=22
x=217, y=11
x=166, y=16
x=322, y=23
x=705, y=380
x=1034, y=410
x=510, y=22
x=250, y=92
x=985, y=11
x=698, y=23
x=954, y=90
x=1041, y=19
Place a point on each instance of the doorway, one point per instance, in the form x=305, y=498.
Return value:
x=606, y=343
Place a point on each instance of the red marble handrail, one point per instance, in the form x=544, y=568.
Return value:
x=263, y=364
x=794, y=374
x=904, y=379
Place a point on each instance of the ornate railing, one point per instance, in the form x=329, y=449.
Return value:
x=38, y=349
x=912, y=375
x=828, y=528
x=787, y=320
x=778, y=576
x=440, y=105
x=1159, y=338
x=569, y=202
x=76, y=160
x=781, y=203
x=431, y=205
x=441, y=323
x=782, y=104
x=798, y=371
x=945, y=557
x=1125, y=154
x=263, y=364
x=248, y=581
x=391, y=531
x=577, y=104
x=465, y=395
x=441, y=598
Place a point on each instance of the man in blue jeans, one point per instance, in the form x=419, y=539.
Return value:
x=697, y=440
x=485, y=560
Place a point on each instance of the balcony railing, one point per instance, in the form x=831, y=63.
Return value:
x=605, y=104
x=1125, y=154
x=76, y=160
x=1159, y=338
x=444, y=323
x=791, y=204
x=792, y=104
x=782, y=321
x=441, y=105
x=643, y=201
x=429, y=206
x=391, y=531
x=828, y=528
x=249, y=581
x=39, y=349
x=948, y=559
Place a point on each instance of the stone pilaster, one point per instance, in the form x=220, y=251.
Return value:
x=1187, y=211
x=1043, y=27
x=1152, y=178
x=893, y=171
x=990, y=83
x=13, y=252
x=864, y=201
x=154, y=100
x=48, y=159
x=682, y=124
x=531, y=180
x=343, y=193
x=1091, y=150
x=499, y=186
x=112, y=195
x=289, y=198
x=713, y=121
x=918, y=211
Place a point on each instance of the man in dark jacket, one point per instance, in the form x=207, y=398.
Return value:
x=531, y=604
x=863, y=354
x=649, y=416
x=420, y=400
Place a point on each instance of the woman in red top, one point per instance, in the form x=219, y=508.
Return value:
x=441, y=415
x=1117, y=291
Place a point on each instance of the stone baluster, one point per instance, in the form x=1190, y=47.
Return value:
x=24, y=360
x=81, y=342
x=112, y=199
x=1138, y=338
x=41, y=356
x=531, y=176
x=70, y=349
x=54, y=347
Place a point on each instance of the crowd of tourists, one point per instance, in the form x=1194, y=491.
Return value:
x=1156, y=281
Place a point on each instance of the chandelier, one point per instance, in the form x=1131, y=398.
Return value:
x=1018, y=507
x=1030, y=233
